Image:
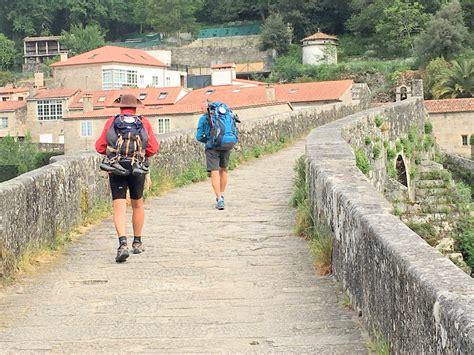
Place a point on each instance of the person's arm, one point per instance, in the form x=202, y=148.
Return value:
x=101, y=143
x=201, y=132
x=153, y=144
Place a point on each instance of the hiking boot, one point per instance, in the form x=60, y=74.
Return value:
x=220, y=203
x=138, y=247
x=119, y=170
x=141, y=168
x=122, y=253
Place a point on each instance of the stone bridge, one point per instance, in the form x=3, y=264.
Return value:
x=238, y=280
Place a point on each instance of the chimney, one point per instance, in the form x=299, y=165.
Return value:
x=223, y=74
x=63, y=56
x=39, y=80
x=87, y=105
x=270, y=93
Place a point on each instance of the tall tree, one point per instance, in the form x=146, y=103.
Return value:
x=82, y=39
x=275, y=34
x=399, y=25
x=456, y=82
x=7, y=52
x=365, y=15
x=445, y=34
x=172, y=16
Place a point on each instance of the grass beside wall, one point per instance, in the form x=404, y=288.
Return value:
x=318, y=234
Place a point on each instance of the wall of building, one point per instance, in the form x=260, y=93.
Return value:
x=448, y=129
x=321, y=52
x=18, y=96
x=16, y=123
x=77, y=77
x=405, y=291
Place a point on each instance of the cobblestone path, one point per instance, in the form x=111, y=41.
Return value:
x=232, y=281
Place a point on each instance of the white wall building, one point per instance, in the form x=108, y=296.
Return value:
x=320, y=48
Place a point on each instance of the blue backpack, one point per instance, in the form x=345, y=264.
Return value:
x=222, y=120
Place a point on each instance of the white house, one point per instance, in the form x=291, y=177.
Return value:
x=320, y=48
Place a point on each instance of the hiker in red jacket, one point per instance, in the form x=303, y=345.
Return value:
x=128, y=141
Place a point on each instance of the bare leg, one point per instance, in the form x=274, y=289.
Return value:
x=120, y=222
x=216, y=184
x=223, y=177
x=138, y=216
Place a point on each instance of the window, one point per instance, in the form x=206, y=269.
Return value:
x=49, y=110
x=162, y=96
x=155, y=81
x=118, y=78
x=3, y=122
x=209, y=92
x=142, y=79
x=464, y=139
x=163, y=125
x=61, y=139
x=86, y=128
x=46, y=138
x=4, y=99
x=101, y=99
x=142, y=96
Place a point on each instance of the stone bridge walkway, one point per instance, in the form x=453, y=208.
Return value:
x=209, y=282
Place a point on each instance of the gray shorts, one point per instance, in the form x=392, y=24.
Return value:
x=216, y=159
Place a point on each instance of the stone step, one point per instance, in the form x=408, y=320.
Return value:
x=425, y=183
x=422, y=208
x=434, y=191
x=431, y=217
x=431, y=174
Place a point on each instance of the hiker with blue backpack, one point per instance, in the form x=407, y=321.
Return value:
x=127, y=141
x=217, y=129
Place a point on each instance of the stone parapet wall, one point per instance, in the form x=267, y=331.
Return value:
x=36, y=206
x=405, y=290
x=461, y=167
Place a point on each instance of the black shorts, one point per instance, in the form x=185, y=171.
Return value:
x=216, y=159
x=120, y=184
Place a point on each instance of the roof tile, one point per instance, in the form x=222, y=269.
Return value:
x=112, y=54
x=450, y=105
x=11, y=105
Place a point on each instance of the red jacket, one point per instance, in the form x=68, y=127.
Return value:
x=151, y=148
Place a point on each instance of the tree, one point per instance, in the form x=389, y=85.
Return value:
x=366, y=14
x=456, y=82
x=444, y=35
x=82, y=39
x=399, y=24
x=275, y=34
x=432, y=75
x=172, y=16
x=7, y=52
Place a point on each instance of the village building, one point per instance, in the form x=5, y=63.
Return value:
x=453, y=124
x=14, y=94
x=110, y=67
x=13, y=118
x=320, y=48
x=37, y=50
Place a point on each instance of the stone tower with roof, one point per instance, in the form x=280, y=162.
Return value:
x=320, y=48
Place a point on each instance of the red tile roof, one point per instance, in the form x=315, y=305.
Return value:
x=107, y=97
x=11, y=105
x=319, y=35
x=450, y=105
x=53, y=93
x=4, y=90
x=314, y=91
x=223, y=66
x=112, y=54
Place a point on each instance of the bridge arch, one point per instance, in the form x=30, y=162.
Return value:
x=402, y=175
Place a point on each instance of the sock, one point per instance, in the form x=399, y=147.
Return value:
x=122, y=241
x=137, y=239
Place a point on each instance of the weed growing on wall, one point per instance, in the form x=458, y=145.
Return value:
x=378, y=120
x=428, y=128
x=376, y=151
x=362, y=162
x=318, y=234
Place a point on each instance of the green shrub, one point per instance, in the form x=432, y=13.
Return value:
x=471, y=139
x=398, y=146
x=257, y=152
x=367, y=140
x=408, y=149
x=376, y=151
x=362, y=161
x=417, y=158
x=392, y=172
x=413, y=172
x=378, y=120
x=196, y=172
x=321, y=247
x=300, y=190
x=428, y=127
x=426, y=231
x=465, y=239
x=391, y=153
x=397, y=211
x=385, y=144
x=428, y=142
x=412, y=134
